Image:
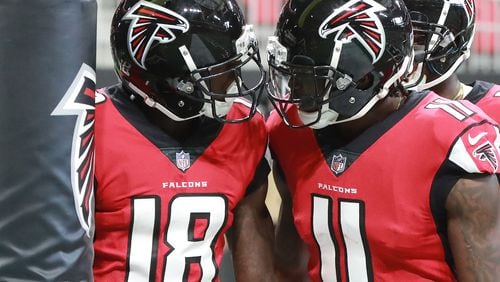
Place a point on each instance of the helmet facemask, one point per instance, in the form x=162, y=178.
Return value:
x=440, y=45
x=305, y=86
x=217, y=86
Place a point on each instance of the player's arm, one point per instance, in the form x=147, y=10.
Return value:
x=252, y=234
x=473, y=208
x=291, y=252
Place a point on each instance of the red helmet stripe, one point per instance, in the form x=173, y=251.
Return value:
x=138, y=29
x=369, y=23
x=137, y=41
x=147, y=12
x=372, y=34
x=347, y=14
x=140, y=52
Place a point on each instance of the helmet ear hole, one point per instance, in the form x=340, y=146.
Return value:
x=366, y=82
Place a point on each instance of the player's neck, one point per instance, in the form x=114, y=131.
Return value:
x=351, y=130
x=450, y=88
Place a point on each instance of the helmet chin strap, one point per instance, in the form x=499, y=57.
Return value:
x=446, y=75
x=328, y=116
x=423, y=84
x=153, y=104
x=221, y=107
x=416, y=78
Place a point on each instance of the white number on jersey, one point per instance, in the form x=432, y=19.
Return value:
x=186, y=245
x=454, y=108
x=352, y=228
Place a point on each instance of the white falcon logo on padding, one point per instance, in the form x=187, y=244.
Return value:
x=79, y=101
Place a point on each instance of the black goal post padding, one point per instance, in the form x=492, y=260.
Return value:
x=47, y=84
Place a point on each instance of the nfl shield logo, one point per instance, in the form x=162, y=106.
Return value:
x=182, y=160
x=338, y=163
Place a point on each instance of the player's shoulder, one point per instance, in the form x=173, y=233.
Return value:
x=113, y=102
x=481, y=89
x=276, y=125
x=440, y=111
x=242, y=108
x=486, y=95
x=254, y=127
x=283, y=138
x=274, y=121
x=472, y=137
x=106, y=94
x=484, y=86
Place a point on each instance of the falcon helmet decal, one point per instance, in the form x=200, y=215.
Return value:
x=150, y=23
x=357, y=20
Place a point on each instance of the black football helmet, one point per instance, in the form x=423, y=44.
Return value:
x=444, y=32
x=334, y=59
x=185, y=57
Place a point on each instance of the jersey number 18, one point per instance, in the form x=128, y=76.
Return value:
x=187, y=247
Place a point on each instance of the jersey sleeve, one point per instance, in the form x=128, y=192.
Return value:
x=477, y=150
x=469, y=137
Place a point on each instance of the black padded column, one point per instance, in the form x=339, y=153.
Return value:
x=47, y=84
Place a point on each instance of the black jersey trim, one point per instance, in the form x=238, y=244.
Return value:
x=446, y=177
x=260, y=176
x=331, y=145
x=479, y=90
x=205, y=133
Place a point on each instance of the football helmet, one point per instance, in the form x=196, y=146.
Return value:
x=444, y=31
x=334, y=59
x=185, y=57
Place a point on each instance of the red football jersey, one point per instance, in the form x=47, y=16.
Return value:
x=487, y=96
x=373, y=209
x=162, y=210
